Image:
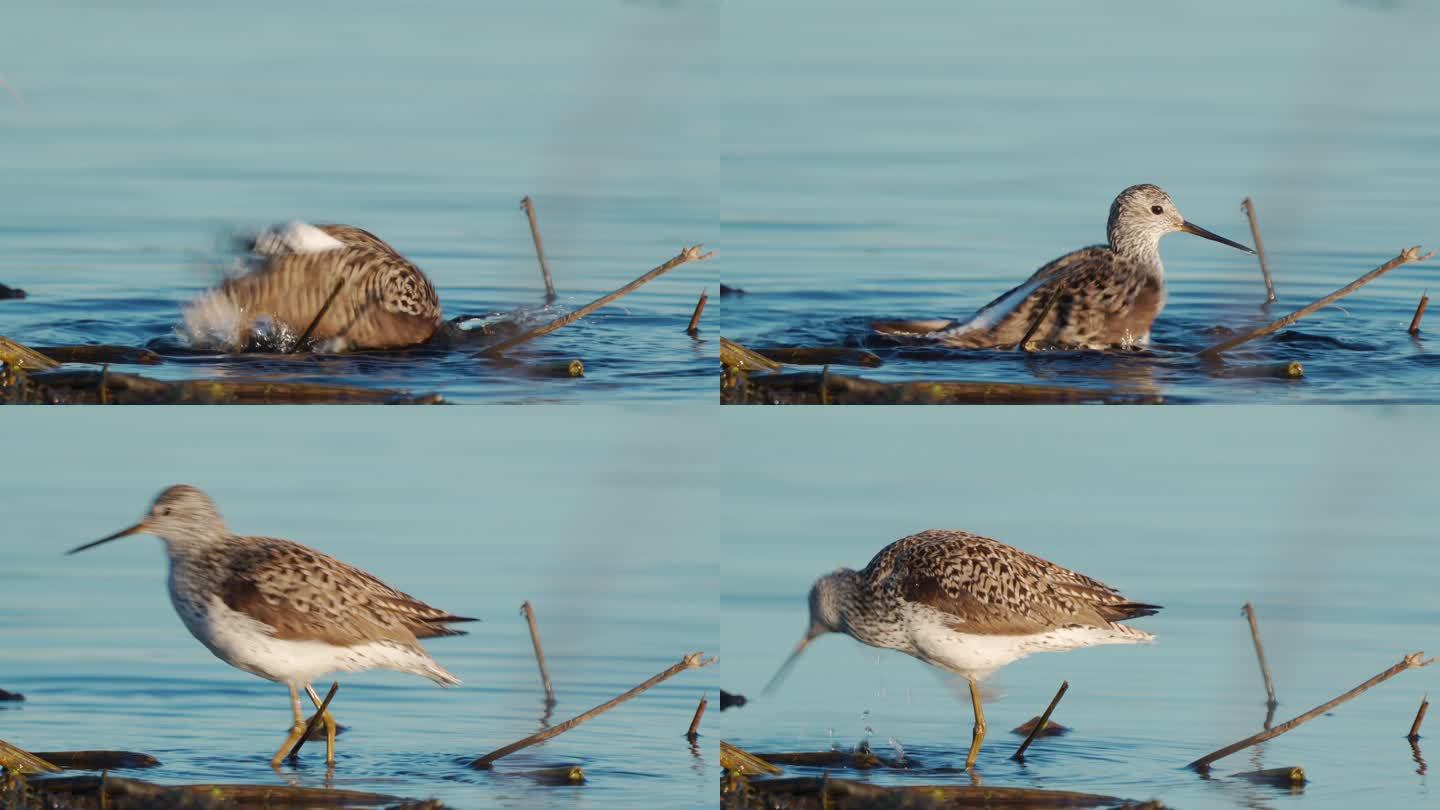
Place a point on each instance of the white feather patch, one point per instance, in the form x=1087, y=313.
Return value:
x=297, y=237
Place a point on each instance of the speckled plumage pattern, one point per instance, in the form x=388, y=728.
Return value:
x=1105, y=296
x=386, y=301
x=970, y=604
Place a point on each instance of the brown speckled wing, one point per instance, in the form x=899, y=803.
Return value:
x=992, y=588
x=306, y=595
x=1096, y=304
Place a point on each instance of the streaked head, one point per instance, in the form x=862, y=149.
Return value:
x=181, y=515
x=827, y=615
x=1144, y=213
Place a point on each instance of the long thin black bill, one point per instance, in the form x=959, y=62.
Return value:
x=136, y=529
x=1190, y=227
x=785, y=667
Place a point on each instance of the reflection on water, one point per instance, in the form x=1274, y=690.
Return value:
x=594, y=519
x=1317, y=517
x=146, y=138
x=884, y=165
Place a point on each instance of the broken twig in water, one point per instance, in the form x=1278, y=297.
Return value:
x=529, y=208
x=690, y=254
x=18, y=355
x=735, y=356
x=691, y=661
x=1019, y=754
x=820, y=356
x=98, y=760
x=1249, y=612
x=315, y=719
x=695, y=721
x=1419, y=718
x=1259, y=251
x=734, y=758
x=324, y=308
x=20, y=760
x=1419, y=313
x=529, y=614
x=694, y=328
x=1414, y=660
x=1407, y=256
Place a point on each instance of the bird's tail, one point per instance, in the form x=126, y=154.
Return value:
x=438, y=674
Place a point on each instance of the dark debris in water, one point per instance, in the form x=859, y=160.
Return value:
x=98, y=760
x=107, y=792
x=731, y=701
x=1052, y=729
x=7, y=292
x=11, y=696
x=105, y=387
x=814, y=793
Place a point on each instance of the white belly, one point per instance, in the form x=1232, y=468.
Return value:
x=247, y=644
x=977, y=656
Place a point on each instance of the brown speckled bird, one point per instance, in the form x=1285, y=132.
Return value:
x=385, y=301
x=969, y=605
x=283, y=611
x=1099, y=297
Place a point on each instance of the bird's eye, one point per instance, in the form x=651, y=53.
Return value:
x=165, y=511
x=1155, y=209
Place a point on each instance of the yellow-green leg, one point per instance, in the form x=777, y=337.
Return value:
x=329, y=720
x=295, y=730
x=978, y=735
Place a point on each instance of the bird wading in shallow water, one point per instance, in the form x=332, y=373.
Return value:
x=283, y=611
x=383, y=302
x=968, y=605
x=1098, y=297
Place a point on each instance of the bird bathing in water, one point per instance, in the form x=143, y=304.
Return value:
x=1099, y=297
x=283, y=611
x=383, y=301
x=968, y=605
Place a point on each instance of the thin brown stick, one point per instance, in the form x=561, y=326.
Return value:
x=1249, y=612
x=1414, y=660
x=1419, y=313
x=325, y=307
x=21, y=761
x=690, y=254
x=694, y=328
x=1419, y=718
x=1040, y=726
x=1259, y=249
x=1407, y=256
x=1035, y=324
x=695, y=721
x=691, y=661
x=314, y=719
x=529, y=614
x=529, y=208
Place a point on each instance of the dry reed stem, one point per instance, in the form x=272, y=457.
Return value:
x=315, y=719
x=734, y=758
x=1044, y=720
x=529, y=208
x=314, y=322
x=1414, y=660
x=1249, y=612
x=1035, y=324
x=529, y=614
x=1406, y=256
x=22, y=761
x=1259, y=249
x=689, y=254
x=1419, y=313
x=691, y=661
x=695, y=721
x=694, y=328
x=1419, y=718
